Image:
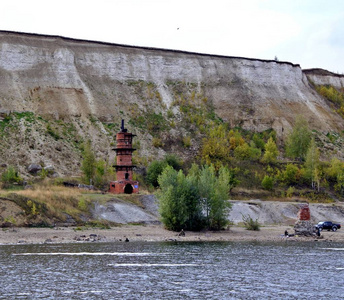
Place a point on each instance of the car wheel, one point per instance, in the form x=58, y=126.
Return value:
x=334, y=228
x=320, y=228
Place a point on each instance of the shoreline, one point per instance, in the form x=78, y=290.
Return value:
x=154, y=233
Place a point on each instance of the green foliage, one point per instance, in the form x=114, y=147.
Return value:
x=271, y=152
x=215, y=147
x=187, y=142
x=298, y=139
x=291, y=175
x=336, y=168
x=312, y=165
x=10, y=176
x=151, y=122
x=178, y=201
x=184, y=199
x=247, y=152
x=88, y=165
x=250, y=224
x=333, y=95
x=214, y=192
x=173, y=161
x=156, y=168
x=33, y=207
x=157, y=142
x=335, y=175
x=268, y=183
x=290, y=192
x=82, y=204
x=339, y=187
x=103, y=173
x=258, y=141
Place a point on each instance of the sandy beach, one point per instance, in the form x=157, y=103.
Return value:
x=153, y=233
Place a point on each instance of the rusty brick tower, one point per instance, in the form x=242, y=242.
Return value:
x=124, y=166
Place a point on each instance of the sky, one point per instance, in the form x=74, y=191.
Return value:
x=305, y=32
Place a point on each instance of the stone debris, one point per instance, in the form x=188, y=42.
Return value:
x=90, y=238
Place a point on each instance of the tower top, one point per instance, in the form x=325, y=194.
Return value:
x=122, y=127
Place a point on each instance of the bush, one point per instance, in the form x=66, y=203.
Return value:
x=271, y=152
x=250, y=224
x=10, y=176
x=291, y=175
x=268, y=183
x=195, y=201
x=247, y=152
x=290, y=192
x=157, y=166
x=154, y=170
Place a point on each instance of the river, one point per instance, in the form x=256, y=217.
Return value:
x=171, y=270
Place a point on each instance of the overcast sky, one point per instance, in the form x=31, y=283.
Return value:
x=305, y=32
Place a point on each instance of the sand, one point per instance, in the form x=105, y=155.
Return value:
x=152, y=233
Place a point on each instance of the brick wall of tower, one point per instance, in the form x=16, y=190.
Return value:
x=124, y=166
x=123, y=156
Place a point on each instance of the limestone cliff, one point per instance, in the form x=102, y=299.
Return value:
x=93, y=84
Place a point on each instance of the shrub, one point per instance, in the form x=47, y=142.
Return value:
x=298, y=139
x=157, y=166
x=290, y=192
x=271, y=152
x=157, y=142
x=82, y=204
x=153, y=172
x=10, y=176
x=187, y=142
x=268, y=183
x=291, y=175
x=88, y=165
x=250, y=224
x=247, y=152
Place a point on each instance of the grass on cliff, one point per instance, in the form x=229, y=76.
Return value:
x=46, y=203
x=52, y=202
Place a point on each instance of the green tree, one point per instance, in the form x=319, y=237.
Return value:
x=268, y=183
x=215, y=147
x=336, y=167
x=312, y=165
x=291, y=175
x=298, y=139
x=173, y=161
x=271, y=152
x=339, y=186
x=195, y=201
x=214, y=195
x=88, y=164
x=103, y=173
x=247, y=152
x=154, y=170
x=258, y=141
x=179, y=203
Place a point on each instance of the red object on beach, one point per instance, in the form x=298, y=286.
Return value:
x=304, y=213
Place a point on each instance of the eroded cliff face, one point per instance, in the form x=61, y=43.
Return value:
x=60, y=78
x=323, y=77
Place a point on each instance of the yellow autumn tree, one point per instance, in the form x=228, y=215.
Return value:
x=216, y=146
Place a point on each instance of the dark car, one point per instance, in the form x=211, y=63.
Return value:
x=327, y=225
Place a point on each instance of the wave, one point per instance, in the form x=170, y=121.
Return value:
x=152, y=265
x=334, y=249
x=87, y=253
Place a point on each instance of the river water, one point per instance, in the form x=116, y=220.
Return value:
x=171, y=270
